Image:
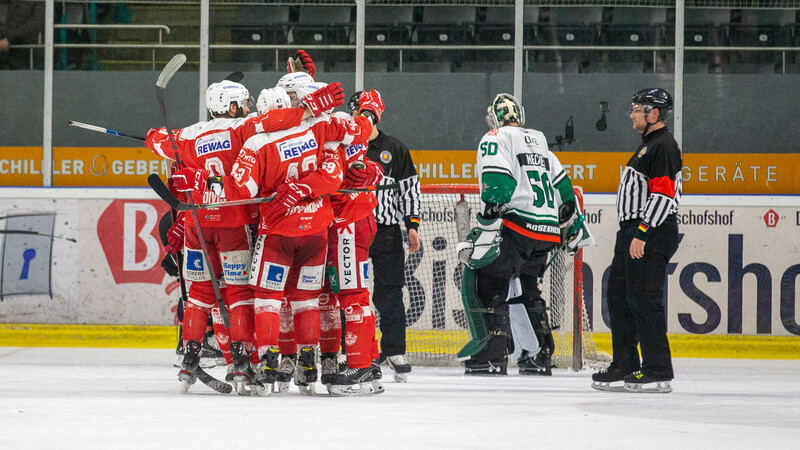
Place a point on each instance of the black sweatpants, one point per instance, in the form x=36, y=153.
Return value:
x=635, y=299
x=388, y=262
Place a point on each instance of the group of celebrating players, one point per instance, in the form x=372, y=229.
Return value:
x=282, y=292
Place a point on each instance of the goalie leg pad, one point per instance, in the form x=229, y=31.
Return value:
x=490, y=328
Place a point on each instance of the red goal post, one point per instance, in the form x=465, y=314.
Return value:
x=436, y=324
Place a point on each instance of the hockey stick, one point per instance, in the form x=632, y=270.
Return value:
x=36, y=233
x=167, y=73
x=86, y=126
x=215, y=384
x=163, y=191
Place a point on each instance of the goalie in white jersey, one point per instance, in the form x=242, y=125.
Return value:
x=526, y=199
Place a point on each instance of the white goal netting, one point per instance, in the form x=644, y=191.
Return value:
x=437, y=326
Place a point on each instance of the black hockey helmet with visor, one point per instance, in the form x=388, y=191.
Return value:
x=354, y=103
x=653, y=98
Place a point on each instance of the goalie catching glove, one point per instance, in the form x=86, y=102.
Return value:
x=482, y=244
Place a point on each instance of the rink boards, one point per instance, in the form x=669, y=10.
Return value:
x=734, y=275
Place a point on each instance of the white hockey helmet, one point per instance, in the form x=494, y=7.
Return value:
x=273, y=98
x=220, y=95
x=292, y=81
x=505, y=109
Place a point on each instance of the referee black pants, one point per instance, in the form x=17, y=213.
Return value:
x=388, y=268
x=635, y=300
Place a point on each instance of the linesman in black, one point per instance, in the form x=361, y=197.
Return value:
x=386, y=252
x=647, y=203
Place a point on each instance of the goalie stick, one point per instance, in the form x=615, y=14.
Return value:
x=167, y=73
x=163, y=191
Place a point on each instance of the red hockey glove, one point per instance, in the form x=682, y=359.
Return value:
x=189, y=179
x=325, y=98
x=371, y=101
x=301, y=63
x=175, y=235
x=290, y=193
x=368, y=173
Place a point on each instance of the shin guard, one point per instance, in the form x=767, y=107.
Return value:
x=330, y=323
x=307, y=327
x=267, y=325
x=222, y=334
x=195, y=319
x=286, y=340
x=359, y=327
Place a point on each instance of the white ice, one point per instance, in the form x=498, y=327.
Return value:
x=57, y=398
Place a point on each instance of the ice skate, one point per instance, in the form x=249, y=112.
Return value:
x=267, y=372
x=328, y=367
x=191, y=361
x=212, y=354
x=490, y=368
x=306, y=375
x=610, y=379
x=243, y=372
x=642, y=382
x=377, y=374
x=400, y=366
x=540, y=364
x=178, y=355
x=354, y=382
x=285, y=372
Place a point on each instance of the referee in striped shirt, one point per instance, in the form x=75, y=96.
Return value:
x=647, y=204
x=386, y=252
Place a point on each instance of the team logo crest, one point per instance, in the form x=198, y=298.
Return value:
x=386, y=157
x=642, y=151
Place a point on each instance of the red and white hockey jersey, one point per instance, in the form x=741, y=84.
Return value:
x=214, y=146
x=267, y=160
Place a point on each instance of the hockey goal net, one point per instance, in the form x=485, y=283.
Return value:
x=436, y=324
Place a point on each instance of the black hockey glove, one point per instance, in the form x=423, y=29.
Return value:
x=170, y=265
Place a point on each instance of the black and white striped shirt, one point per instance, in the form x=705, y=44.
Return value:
x=396, y=204
x=650, y=188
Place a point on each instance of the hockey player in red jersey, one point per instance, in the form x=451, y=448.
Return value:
x=349, y=238
x=211, y=148
x=289, y=256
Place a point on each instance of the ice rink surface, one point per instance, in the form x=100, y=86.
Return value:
x=64, y=398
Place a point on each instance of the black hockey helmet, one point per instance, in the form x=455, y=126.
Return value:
x=654, y=98
x=355, y=102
